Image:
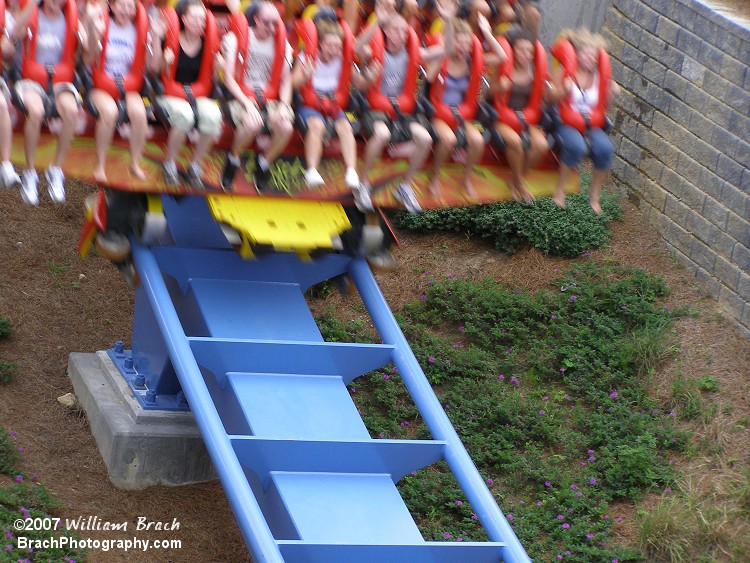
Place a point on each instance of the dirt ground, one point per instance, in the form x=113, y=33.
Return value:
x=58, y=304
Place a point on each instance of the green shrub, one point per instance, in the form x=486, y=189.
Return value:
x=510, y=226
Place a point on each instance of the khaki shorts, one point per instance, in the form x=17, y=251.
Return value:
x=237, y=111
x=180, y=114
x=25, y=85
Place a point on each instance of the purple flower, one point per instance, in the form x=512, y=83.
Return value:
x=541, y=412
x=592, y=458
x=547, y=484
x=35, y=476
x=566, y=526
x=553, y=317
x=423, y=297
x=474, y=517
x=501, y=377
x=394, y=369
x=619, y=518
x=459, y=539
x=517, y=291
x=667, y=490
x=447, y=535
x=405, y=423
x=539, y=503
x=459, y=502
x=22, y=450
x=624, y=308
x=579, y=494
x=573, y=298
x=560, y=517
x=461, y=328
x=386, y=376
x=592, y=481
x=562, y=370
x=584, y=464
x=510, y=517
x=559, y=556
x=19, y=478
x=452, y=275
x=613, y=395
x=490, y=481
x=431, y=360
x=515, y=381
x=590, y=536
x=413, y=473
x=573, y=487
x=448, y=362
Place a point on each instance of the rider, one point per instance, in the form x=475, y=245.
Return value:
x=187, y=60
x=259, y=79
x=8, y=175
x=120, y=56
x=320, y=80
x=50, y=44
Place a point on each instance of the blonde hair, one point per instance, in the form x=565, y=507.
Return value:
x=582, y=37
x=328, y=27
x=461, y=27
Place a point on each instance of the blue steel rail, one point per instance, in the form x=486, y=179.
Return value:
x=305, y=480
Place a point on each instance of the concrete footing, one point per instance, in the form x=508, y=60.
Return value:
x=140, y=447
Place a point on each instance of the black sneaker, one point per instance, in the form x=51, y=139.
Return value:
x=261, y=178
x=227, y=175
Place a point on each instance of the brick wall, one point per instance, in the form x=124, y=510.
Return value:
x=682, y=134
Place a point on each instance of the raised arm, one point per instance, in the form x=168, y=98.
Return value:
x=497, y=55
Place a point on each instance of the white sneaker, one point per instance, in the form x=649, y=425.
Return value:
x=351, y=178
x=29, y=182
x=405, y=194
x=8, y=176
x=313, y=178
x=56, y=180
x=362, y=198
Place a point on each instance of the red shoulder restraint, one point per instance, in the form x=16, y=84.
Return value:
x=133, y=81
x=63, y=71
x=407, y=100
x=203, y=86
x=239, y=25
x=532, y=113
x=565, y=53
x=468, y=108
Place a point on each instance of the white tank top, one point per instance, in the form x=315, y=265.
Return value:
x=325, y=78
x=584, y=101
x=50, y=39
x=120, y=48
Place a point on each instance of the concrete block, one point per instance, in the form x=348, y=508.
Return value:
x=630, y=152
x=675, y=235
x=705, y=28
x=653, y=193
x=626, y=125
x=735, y=199
x=675, y=209
x=614, y=43
x=717, y=112
x=721, y=242
x=647, y=18
x=740, y=125
x=720, y=88
x=732, y=69
x=745, y=320
x=743, y=287
x=685, y=191
x=699, y=150
x=742, y=153
x=700, y=126
x=703, y=256
x=725, y=142
x=708, y=55
x=692, y=70
x=628, y=8
x=728, y=273
x=659, y=98
x=667, y=30
x=680, y=112
x=738, y=228
x=745, y=183
x=729, y=169
x=716, y=212
x=729, y=43
x=710, y=284
x=731, y=302
x=140, y=448
x=633, y=57
x=652, y=167
x=698, y=226
x=654, y=71
x=628, y=30
x=741, y=257
x=688, y=43
x=664, y=7
x=711, y=184
x=675, y=84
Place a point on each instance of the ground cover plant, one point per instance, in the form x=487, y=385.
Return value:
x=510, y=226
x=24, y=498
x=549, y=393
